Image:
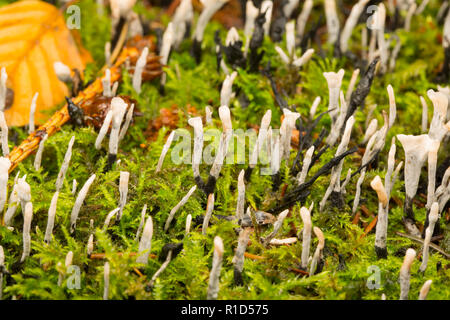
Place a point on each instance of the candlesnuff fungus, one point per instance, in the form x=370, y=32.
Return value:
x=276, y=227
x=182, y=19
x=339, y=122
x=318, y=253
x=334, y=81
x=123, y=190
x=383, y=47
x=209, y=210
x=425, y=289
x=32, y=111
x=62, y=72
x=178, y=206
x=12, y=206
x=374, y=146
x=106, y=83
x=197, y=124
x=23, y=192
x=241, y=196
x=267, y=7
x=4, y=134
x=432, y=162
x=141, y=223
x=301, y=177
x=332, y=21
x=335, y=184
x=51, y=218
x=65, y=165
x=104, y=129
x=371, y=129
x=145, y=244
x=224, y=114
x=159, y=271
x=302, y=18
x=106, y=271
x=140, y=66
x=165, y=150
x=410, y=14
x=238, y=259
x=312, y=111
x=110, y=215
x=79, y=201
x=392, y=106
x=251, y=12
x=118, y=107
x=350, y=24
x=2, y=267
x=28, y=216
x=167, y=41
x=210, y=8
x=67, y=264
x=433, y=217
x=287, y=125
x=208, y=115
x=351, y=85
x=188, y=224
x=226, y=91
x=442, y=194
x=306, y=237
x=214, y=275
x=405, y=273
x=438, y=128
x=362, y=89
x=262, y=136
x=128, y=118
x=416, y=152
x=90, y=245
x=38, y=158
x=5, y=164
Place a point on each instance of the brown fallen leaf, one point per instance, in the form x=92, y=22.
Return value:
x=33, y=35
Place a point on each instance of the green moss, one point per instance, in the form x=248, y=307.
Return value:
x=187, y=276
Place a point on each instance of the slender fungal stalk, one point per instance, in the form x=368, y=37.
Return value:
x=214, y=275
x=209, y=210
x=79, y=201
x=178, y=206
x=145, y=244
x=165, y=150
x=51, y=218
x=306, y=238
x=405, y=273
x=433, y=217
x=28, y=216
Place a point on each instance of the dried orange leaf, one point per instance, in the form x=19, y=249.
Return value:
x=33, y=35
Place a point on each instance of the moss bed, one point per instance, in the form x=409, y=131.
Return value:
x=349, y=252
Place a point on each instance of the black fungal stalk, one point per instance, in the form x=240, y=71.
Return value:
x=299, y=193
x=362, y=90
x=256, y=42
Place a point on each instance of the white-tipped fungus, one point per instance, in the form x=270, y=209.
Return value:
x=164, y=151
x=433, y=217
x=51, y=218
x=79, y=201
x=214, y=275
x=306, y=237
x=140, y=65
x=64, y=165
x=178, y=206
x=209, y=210
x=405, y=273
x=145, y=244
x=28, y=216
x=318, y=252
